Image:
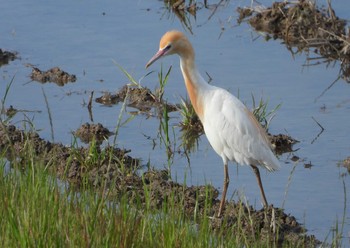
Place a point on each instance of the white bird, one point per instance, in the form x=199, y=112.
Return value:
x=230, y=127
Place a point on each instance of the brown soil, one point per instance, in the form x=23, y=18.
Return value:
x=140, y=98
x=92, y=132
x=304, y=27
x=112, y=167
x=54, y=75
x=282, y=143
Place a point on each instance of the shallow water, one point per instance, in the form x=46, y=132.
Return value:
x=84, y=37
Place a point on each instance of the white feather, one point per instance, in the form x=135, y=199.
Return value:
x=232, y=133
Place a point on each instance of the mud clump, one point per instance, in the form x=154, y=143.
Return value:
x=111, y=167
x=6, y=57
x=54, y=75
x=140, y=98
x=282, y=143
x=69, y=163
x=303, y=26
x=108, y=99
x=92, y=132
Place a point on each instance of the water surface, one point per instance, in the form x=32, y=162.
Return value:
x=84, y=37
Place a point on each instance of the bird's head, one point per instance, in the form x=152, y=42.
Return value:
x=172, y=42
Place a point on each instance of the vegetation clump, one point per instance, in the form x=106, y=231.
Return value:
x=304, y=26
x=55, y=75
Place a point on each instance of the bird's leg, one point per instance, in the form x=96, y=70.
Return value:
x=226, y=183
x=257, y=174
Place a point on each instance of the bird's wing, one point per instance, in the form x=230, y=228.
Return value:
x=234, y=132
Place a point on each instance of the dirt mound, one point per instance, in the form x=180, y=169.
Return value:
x=304, y=26
x=112, y=167
x=92, y=132
x=140, y=98
x=282, y=143
x=54, y=75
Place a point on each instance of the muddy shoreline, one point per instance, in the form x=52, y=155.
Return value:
x=304, y=28
x=112, y=167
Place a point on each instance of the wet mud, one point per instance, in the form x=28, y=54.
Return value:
x=111, y=167
x=92, y=133
x=304, y=27
x=53, y=75
x=282, y=143
x=140, y=98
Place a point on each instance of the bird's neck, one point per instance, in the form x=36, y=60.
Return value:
x=195, y=84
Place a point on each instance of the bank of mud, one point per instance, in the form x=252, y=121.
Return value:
x=304, y=28
x=110, y=167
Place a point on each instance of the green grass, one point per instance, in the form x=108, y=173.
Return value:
x=164, y=127
x=38, y=211
x=191, y=127
x=3, y=116
x=261, y=113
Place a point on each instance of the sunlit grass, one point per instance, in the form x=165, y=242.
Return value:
x=261, y=112
x=35, y=213
x=38, y=211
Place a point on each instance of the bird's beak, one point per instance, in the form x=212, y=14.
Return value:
x=158, y=55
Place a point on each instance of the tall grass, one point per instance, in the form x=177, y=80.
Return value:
x=3, y=117
x=164, y=128
x=39, y=211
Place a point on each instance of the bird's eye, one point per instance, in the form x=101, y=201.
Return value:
x=167, y=47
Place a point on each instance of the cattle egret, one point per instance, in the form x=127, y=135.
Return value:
x=230, y=127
